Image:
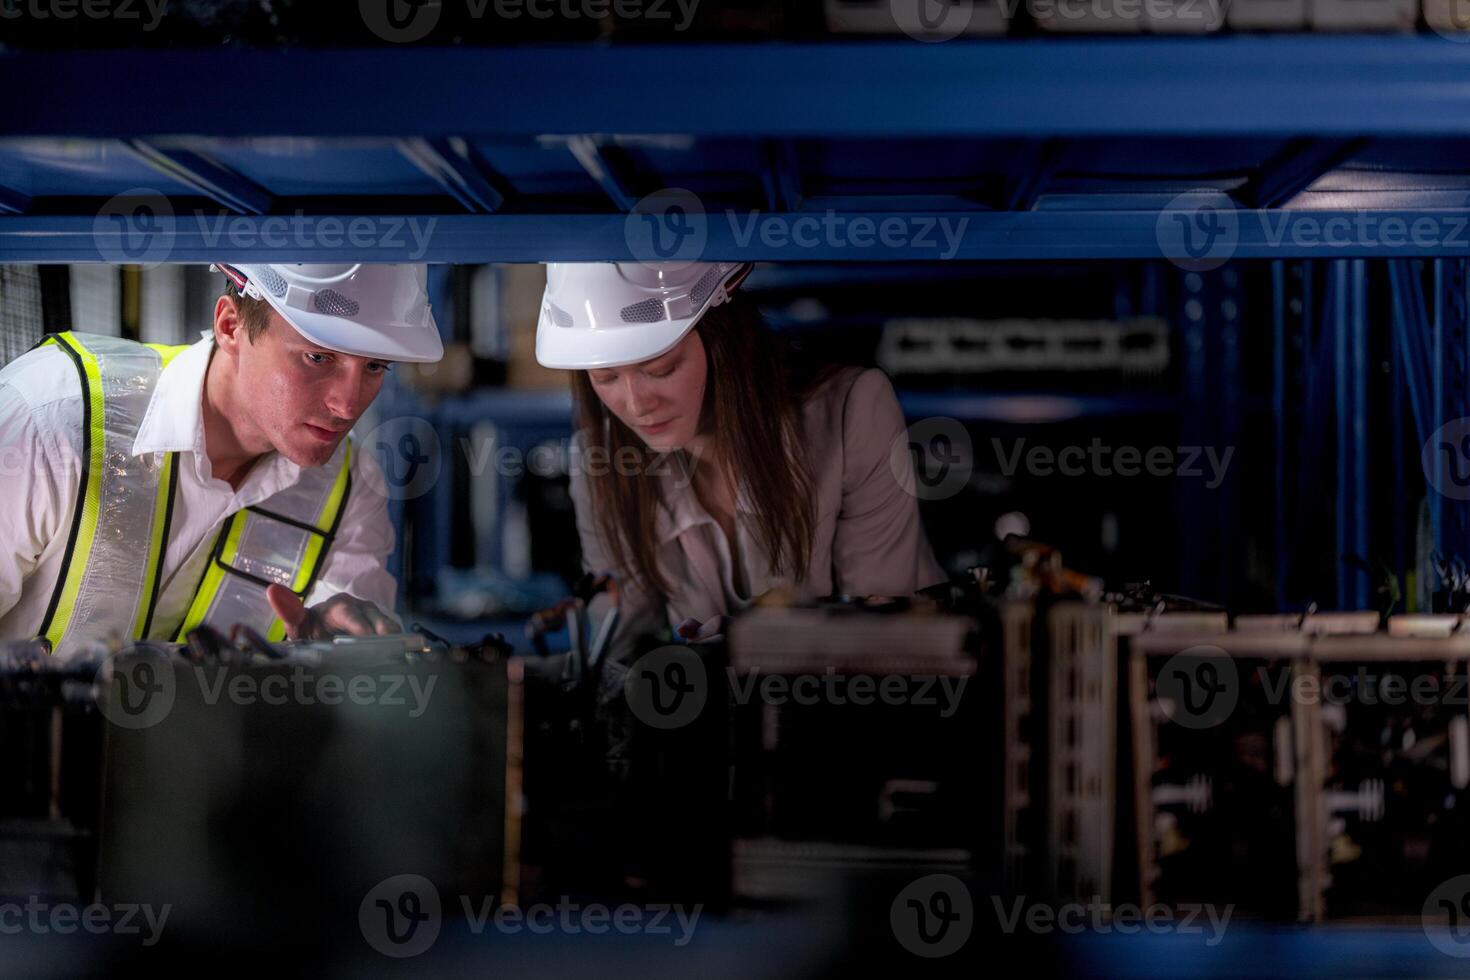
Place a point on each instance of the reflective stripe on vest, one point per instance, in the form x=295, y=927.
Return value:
x=125, y=506
x=283, y=543
x=102, y=586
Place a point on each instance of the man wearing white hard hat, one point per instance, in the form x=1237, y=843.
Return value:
x=155, y=489
x=755, y=476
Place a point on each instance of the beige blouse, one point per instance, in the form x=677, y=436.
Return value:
x=869, y=539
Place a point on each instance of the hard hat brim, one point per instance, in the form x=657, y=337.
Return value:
x=409, y=344
x=569, y=349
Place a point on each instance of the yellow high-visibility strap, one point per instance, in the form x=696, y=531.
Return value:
x=327, y=520
x=168, y=352
x=87, y=512
x=89, y=494
x=214, y=576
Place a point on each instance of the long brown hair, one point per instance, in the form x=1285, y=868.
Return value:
x=752, y=405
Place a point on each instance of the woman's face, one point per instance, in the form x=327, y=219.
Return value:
x=659, y=399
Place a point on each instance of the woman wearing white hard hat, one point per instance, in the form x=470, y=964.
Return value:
x=706, y=474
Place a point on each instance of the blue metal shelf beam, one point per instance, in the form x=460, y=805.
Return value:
x=209, y=178
x=453, y=165
x=1240, y=85
x=1298, y=168
x=603, y=171
x=13, y=202
x=733, y=235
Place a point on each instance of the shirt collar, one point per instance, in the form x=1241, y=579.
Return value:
x=174, y=420
x=174, y=423
x=681, y=508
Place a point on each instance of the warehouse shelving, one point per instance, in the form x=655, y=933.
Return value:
x=1049, y=149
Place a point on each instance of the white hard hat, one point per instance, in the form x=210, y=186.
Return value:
x=371, y=310
x=605, y=314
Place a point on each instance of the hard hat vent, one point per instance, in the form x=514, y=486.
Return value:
x=559, y=316
x=333, y=303
x=648, y=311
x=271, y=281
x=705, y=286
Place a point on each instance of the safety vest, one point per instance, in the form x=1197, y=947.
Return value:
x=112, y=571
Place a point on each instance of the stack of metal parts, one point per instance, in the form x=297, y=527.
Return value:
x=1284, y=765
x=51, y=736
x=833, y=777
x=252, y=787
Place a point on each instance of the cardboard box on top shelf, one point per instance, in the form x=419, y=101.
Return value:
x=523, y=286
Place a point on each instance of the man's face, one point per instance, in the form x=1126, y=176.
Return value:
x=661, y=399
x=303, y=398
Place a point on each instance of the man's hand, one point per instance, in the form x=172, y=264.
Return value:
x=340, y=614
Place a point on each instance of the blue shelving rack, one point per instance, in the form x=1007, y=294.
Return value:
x=1322, y=154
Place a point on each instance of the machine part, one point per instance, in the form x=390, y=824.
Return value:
x=913, y=346
x=1365, y=803
x=1195, y=795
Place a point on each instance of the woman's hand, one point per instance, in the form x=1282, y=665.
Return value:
x=693, y=631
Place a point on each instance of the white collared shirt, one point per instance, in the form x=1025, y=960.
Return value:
x=41, y=402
